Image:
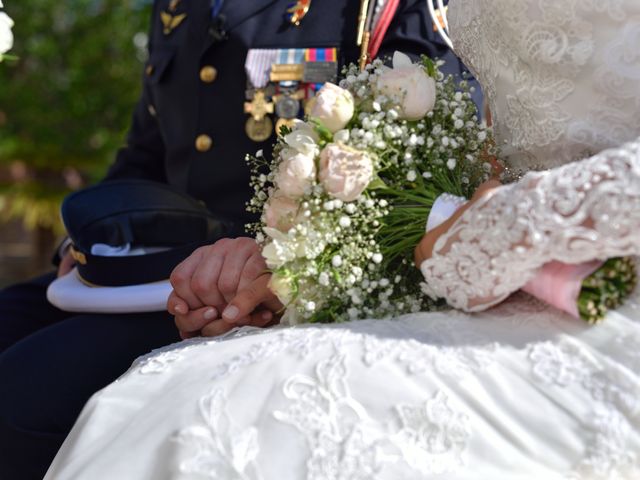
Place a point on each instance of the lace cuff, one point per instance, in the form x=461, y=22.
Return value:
x=579, y=212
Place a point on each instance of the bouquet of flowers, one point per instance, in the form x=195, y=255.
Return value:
x=345, y=198
x=6, y=35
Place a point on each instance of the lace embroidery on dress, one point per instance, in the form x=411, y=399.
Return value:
x=616, y=402
x=345, y=442
x=548, y=82
x=217, y=449
x=434, y=437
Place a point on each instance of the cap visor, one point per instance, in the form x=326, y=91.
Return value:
x=70, y=294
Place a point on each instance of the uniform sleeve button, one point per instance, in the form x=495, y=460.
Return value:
x=149, y=70
x=203, y=143
x=208, y=74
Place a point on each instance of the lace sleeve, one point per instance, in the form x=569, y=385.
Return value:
x=575, y=213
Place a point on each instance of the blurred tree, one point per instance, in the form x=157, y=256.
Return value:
x=66, y=102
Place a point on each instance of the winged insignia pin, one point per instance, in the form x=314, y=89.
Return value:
x=171, y=22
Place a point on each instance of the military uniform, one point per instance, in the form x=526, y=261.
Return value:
x=188, y=130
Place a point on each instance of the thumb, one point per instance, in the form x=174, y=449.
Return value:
x=249, y=298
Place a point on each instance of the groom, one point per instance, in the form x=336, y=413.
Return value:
x=190, y=130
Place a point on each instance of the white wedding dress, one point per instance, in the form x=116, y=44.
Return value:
x=518, y=391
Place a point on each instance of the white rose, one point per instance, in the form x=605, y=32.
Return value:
x=280, y=212
x=6, y=36
x=410, y=83
x=281, y=288
x=303, y=138
x=333, y=107
x=345, y=172
x=296, y=173
x=279, y=251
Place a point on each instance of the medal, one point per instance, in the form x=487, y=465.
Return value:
x=288, y=103
x=297, y=11
x=259, y=126
x=259, y=130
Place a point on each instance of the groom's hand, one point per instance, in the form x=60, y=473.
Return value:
x=255, y=305
x=207, y=281
x=213, y=274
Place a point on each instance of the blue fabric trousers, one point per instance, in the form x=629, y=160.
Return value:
x=51, y=362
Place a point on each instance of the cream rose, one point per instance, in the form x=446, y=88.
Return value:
x=333, y=107
x=303, y=138
x=296, y=173
x=411, y=84
x=280, y=212
x=345, y=172
x=6, y=36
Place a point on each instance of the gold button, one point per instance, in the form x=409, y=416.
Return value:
x=203, y=143
x=149, y=70
x=208, y=74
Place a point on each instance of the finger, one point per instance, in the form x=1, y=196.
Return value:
x=188, y=335
x=261, y=317
x=247, y=299
x=485, y=188
x=181, y=278
x=253, y=268
x=234, y=264
x=204, y=282
x=176, y=305
x=217, y=327
x=195, y=320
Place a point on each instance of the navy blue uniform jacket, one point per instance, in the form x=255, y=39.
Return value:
x=176, y=106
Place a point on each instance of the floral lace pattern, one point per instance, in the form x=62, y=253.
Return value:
x=216, y=450
x=557, y=92
x=345, y=442
x=615, y=396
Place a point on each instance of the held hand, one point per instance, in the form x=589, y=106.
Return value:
x=213, y=274
x=254, y=305
x=424, y=250
x=206, y=281
x=66, y=264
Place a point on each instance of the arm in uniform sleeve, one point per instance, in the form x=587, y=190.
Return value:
x=411, y=32
x=143, y=155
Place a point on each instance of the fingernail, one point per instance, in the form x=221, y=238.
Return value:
x=267, y=315
x=231, y=312
x=210, y=313
x=180, y=309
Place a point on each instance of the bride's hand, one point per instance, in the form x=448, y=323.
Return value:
x=424, y=250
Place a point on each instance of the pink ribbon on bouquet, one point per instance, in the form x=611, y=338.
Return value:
x=557, y=284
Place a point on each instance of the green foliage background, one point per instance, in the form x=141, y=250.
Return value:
x=65, y=103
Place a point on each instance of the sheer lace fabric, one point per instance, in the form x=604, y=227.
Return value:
x=575, y=213
x=561, y=77
x=562, y=80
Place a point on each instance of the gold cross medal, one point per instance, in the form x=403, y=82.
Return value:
x=259, y=126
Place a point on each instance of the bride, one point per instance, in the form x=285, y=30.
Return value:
x=518, y=391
